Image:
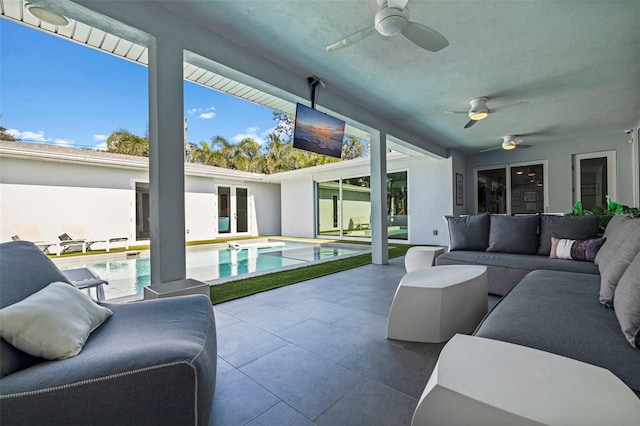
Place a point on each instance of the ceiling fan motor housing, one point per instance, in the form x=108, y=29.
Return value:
x=478, y=109
x=390, y=21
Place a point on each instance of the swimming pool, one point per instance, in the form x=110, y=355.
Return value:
x=128, y=276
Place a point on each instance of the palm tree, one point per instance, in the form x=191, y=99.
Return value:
x=124, y=142
x=247, y=153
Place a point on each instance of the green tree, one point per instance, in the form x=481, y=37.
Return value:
x=124, y=142
x=246, y=155
x=352, y=147
x=4, y=136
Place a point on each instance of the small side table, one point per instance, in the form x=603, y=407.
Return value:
x=420, y=257
x=431, y=305
x=176, y=288
x=484, y=381
x=85, y=278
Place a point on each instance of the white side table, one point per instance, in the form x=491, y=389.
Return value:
x=176, y=288
x=484, y=381
x=420, y=257
x=433, y=304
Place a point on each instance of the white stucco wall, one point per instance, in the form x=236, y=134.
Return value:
x=430, y=196
x=101, y=200
x=298, y=207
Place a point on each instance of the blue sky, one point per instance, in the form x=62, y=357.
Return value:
x=59, y=92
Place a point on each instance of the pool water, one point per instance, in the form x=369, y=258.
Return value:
x=129, y=276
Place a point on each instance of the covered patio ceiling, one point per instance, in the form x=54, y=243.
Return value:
x=577, y=63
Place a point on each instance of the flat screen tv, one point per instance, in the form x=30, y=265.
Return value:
x=318, y=132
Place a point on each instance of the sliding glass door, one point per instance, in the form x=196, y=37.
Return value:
x=517, y=188
x=344, y=207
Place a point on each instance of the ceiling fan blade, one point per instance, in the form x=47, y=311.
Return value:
x=523, y=146
x=398, y=4
x=470, y=123
x=508, y=106
x=425, y=37
x=457, y=112
x=351, y=39
x=491, y=149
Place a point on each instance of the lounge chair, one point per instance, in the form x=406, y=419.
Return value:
x=33, y=233
x=77, y=232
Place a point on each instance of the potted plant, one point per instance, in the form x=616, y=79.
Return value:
x=605, y=213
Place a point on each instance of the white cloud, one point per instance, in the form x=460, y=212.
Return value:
x=64, y=142
x=204, y=113
x=207, y=115
x=252, y=133
x=101, y=146
x=98, y=138
x=28, y=136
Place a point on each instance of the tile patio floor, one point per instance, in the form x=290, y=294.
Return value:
x=316, y=353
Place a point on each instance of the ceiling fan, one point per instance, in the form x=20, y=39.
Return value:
x=479, y=110
x=508, y=143
x=392, y=18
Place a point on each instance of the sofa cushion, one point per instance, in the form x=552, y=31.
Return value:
x=575, y=249
x=53, y=323
x=626, y=302
x=617, y=230
x=558, y=312
x=612, y=269
x=468, y=232
x=565, y=227
x=505, y=270
x=513, y=234
x=24, y=269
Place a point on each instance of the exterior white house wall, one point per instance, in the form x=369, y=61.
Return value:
x=298, y=207
x=102, y=200
x=430, y=196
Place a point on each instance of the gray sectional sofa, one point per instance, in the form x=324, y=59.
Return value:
x=585, y=310
x=150, y=363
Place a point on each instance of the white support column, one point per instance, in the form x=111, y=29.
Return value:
x=379, y=231
x=166, y=162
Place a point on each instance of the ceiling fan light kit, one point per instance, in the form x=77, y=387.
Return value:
x=508, y=145
x=390, y=21
x=479, y=109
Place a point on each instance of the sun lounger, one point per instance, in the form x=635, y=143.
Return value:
x=85, y=278
x=33, y=233
x=77, y=232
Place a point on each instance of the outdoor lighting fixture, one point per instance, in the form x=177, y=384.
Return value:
x=531, y=173
x=519, y=172
x=47, y=16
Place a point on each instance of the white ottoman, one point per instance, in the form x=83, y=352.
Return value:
x=433, y=304
x=484, y=381
x=420, y=257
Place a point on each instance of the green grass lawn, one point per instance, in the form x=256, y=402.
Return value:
x=248, y=286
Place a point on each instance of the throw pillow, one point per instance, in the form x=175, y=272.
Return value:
x=513, y=234
x=612, y=270
x=575, y=249
x=53, y=323
x=627, y=303
x=617, y=230
x=565, y=227
x=468, y=232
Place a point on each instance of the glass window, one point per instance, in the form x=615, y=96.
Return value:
x=397, y=206
x=491, y=191
x=328, y=194
x=527, y=189
x=356, y=207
